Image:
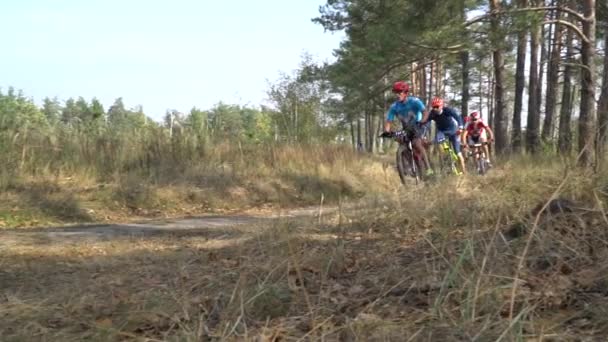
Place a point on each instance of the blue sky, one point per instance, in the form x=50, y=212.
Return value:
x=158, y=54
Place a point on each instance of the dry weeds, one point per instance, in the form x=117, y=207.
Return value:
x=436, y=264
x=227, y=179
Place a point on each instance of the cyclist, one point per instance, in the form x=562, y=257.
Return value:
x=477, y=132
x=449, y=125
x=410, y=111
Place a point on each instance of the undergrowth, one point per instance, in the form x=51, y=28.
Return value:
x=517, y=255
x=228, y=178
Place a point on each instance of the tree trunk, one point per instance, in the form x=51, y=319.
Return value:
x=500, y=119
x=552, y=82
x=481, y=87
x=444, y=81
x=295, y=123
x=439, y=80
x=565, y=116
x=464, y=106
x=422, y=85
x=430, y=84
x=365, y=135
x=353, y=137
x=490, y=97
x=359, y=141
x=491, y=100
x=374, y=132
x=368, y=128
x=586, y=126
x=464, y=60
x=520, y=82
x=532, y=134
x=602, y=109
x=543, y=44
x=414, y=76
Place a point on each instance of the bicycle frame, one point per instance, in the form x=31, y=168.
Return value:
x=407, y=158
x=480, y=156
x=448, y=157
x=407, y=151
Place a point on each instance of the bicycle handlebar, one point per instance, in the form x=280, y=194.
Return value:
x=478, y=144
x=396, y=134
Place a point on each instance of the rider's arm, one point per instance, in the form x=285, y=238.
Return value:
x=422, y=115
x=490, y=132
x=387, y=126
x=390, y=116
x=457, y=117
x=426, y=117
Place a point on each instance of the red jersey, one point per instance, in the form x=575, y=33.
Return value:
x=475, y=128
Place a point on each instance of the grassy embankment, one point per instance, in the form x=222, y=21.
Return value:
x=476, y=258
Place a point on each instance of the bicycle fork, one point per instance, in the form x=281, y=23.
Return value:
x=452, y=158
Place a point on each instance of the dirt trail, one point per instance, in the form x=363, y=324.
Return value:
x=190, y=225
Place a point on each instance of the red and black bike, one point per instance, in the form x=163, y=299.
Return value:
x=408, y=160
x=479, y=157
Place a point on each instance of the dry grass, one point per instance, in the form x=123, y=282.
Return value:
x=228, y=178
x=439, y=263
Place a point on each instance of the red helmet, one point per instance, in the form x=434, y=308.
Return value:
x=437, y=102
x=401, y=86
x=474, y=115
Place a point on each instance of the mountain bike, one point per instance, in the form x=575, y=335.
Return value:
x=480, y=157
x=407, y=160
x=448, y=158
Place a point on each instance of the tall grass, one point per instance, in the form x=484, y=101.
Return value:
x=438, y=264
x=147, y=170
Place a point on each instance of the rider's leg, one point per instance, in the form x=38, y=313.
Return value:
x=483, y=140
x=462, y=165
x=454, y=139
x=469, y=151
x=417, y=134
x=417, y=142
x=439, y=136
x=424, y=134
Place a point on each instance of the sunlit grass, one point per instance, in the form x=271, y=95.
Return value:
x=438, y=264
x=229, y=177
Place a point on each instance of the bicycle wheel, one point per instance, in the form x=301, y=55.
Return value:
x=443, y=158
x=448, y=156
x=447, y=164
x=481, y=165
x=415, y=167
x=471, y=163
x=402, y=163
x=455, y=162
x=453, y=167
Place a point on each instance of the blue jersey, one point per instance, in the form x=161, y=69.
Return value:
x=447, y=120
x=408, y=111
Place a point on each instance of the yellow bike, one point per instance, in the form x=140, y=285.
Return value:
x=448, y=159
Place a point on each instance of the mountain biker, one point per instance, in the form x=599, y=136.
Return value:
x=410, y=111
x=449, y=125
x=477, y=132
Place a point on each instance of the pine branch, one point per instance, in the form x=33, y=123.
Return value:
x=580, y=65
x=485, y=16
x=453, y=48
x=571, y=26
